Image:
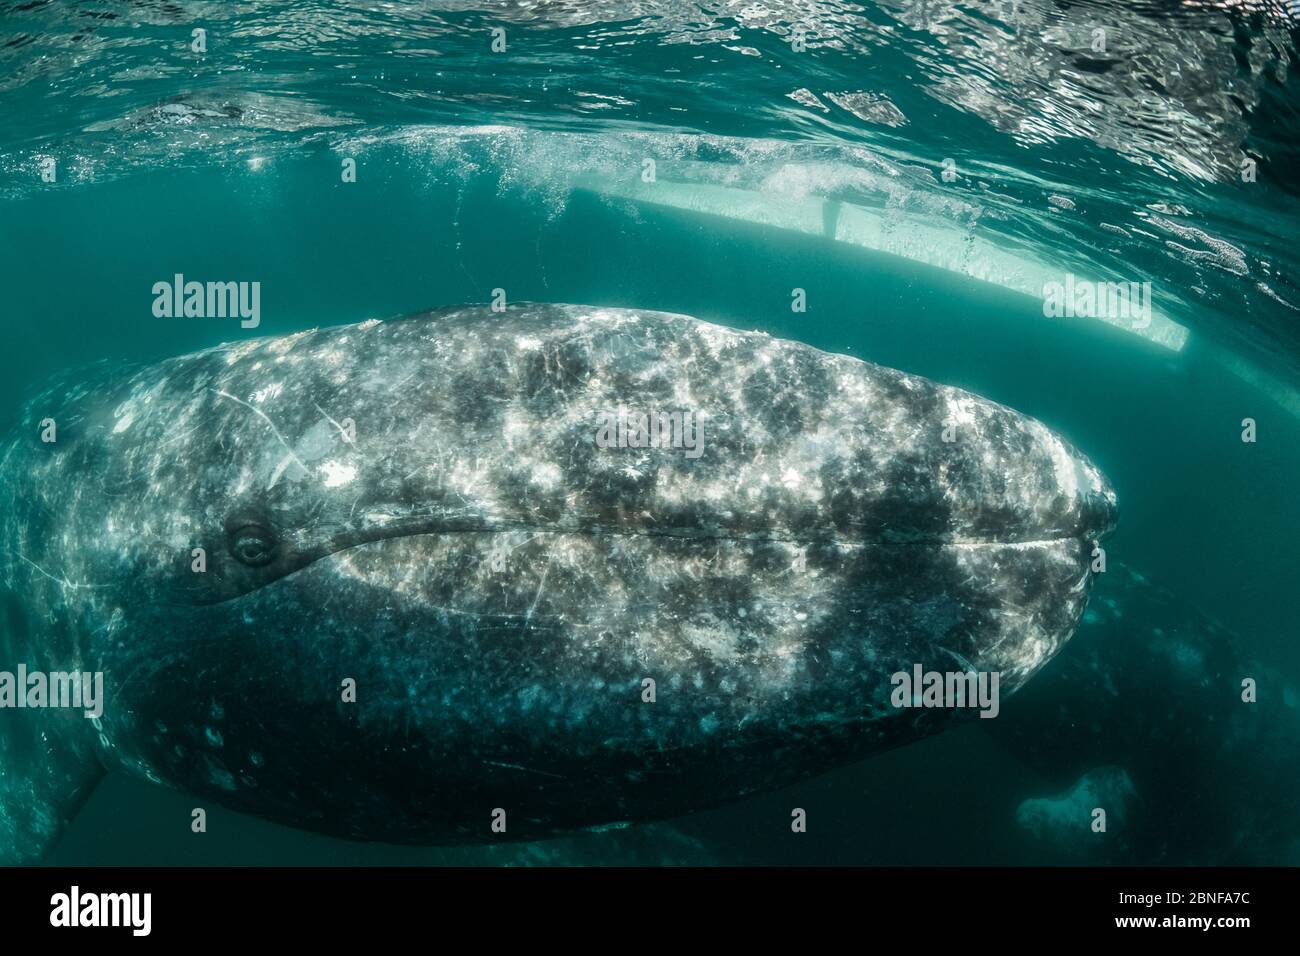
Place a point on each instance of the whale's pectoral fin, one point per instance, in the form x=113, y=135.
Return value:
x=48, y=760
x=47, y=770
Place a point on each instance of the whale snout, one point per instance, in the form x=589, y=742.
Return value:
x=1093, y=504
x=1100, y=507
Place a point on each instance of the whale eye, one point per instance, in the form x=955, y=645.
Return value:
x=253, y=545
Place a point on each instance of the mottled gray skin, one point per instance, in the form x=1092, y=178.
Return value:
x=485, y=685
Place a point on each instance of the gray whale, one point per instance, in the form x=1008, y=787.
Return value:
x=421, y=506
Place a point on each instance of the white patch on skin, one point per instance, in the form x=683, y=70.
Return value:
x=614, y=318
x=527, y=343
x=368, y=324
x=546, y=474
x=716, y=338
x=288, y=461
x=283, y=345
x=852, y=387
x=713, y=637
x=516, y=426
x=271, y=391
x=961, y=411
x=1007, y=545
x=1067, y=475
x=240, y=351
x=1033, y=654
x=245, y=481
x=123, y=423
x=337, y=473
x=1093, y=478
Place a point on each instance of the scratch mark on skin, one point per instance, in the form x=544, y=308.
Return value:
x=516, y=547
x=343, y=432
x=967, y=665
x=176, y=438
x=66, y=583
x=275, y=431
x=397, y=388
x=515, y=766
x=541, y=585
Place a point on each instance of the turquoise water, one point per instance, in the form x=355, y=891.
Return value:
x=775, y=169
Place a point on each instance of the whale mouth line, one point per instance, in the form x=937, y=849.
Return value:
x=888, y=538
x=528, y=532
x=840, y=541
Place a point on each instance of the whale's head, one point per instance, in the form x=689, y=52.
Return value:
x=580, y=565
